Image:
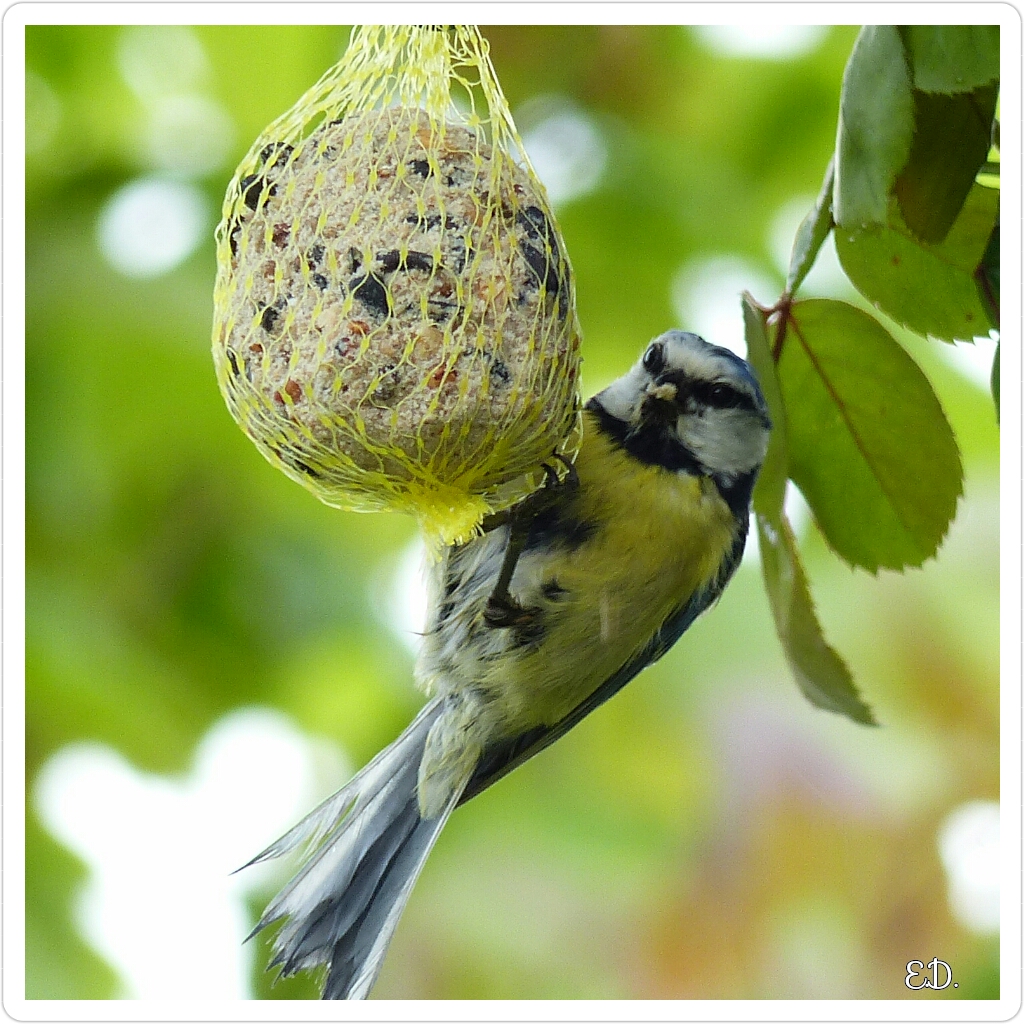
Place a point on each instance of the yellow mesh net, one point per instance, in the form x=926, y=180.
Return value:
x=395, y=322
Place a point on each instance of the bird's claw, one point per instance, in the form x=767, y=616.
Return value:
x=502, y=610
x=551, y=478
x=505, y=612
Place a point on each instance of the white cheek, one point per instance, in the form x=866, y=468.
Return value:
x=726, y=440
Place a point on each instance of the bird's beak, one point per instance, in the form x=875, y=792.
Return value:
x=660, y=402
x=663, y=392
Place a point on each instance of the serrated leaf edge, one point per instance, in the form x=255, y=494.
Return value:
x=841, y=407
x=786, y=539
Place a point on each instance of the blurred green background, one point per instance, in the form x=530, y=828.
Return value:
x=705, y=835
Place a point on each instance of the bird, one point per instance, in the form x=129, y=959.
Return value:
x=531, y=625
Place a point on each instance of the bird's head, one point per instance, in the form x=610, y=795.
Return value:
x=689, y=405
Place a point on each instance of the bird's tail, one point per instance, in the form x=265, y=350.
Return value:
x=366, y=846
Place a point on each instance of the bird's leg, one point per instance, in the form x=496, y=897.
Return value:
x=572, y=478
x=502, y=609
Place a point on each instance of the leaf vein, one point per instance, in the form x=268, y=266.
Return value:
x=854, y=434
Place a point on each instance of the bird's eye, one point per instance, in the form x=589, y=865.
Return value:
x=654, y=358
x=722, y=396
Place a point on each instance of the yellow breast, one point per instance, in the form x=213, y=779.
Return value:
x=657, y=537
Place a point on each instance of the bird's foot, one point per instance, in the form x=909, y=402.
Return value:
x=571, y=478
x=504, y=611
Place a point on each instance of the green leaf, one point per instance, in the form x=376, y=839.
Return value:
x=820, y=672
x=952, y=137
x=869, y=445
x=952, y=58
x=928, y=288
x=770, y=490
x=811, y=234
x=986, y=275
x=995, y=381
x=876, y=126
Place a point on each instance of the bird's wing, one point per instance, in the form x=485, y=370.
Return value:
x=501, y=758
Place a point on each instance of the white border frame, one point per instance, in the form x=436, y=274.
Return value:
x=12, y=489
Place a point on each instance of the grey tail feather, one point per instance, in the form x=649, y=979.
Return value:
x=365, y=846
x=360, y=788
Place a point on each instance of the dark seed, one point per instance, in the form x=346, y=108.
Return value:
x=459, y=254
x=371, y=292
x=537, y=226
x=546, y=271
x=234, y=364
x=235, y=231
x=501, y=371
x=419, y=261
x=355, y=260
x=392, y=260
x=252, y=187
x=440, y=312
x=431, y=222
x=269, y=318
x=251, y=190
x=315, y=254
x=282, y=149
x=533, y=221
x=552, y=282
x=535, y=259
x=389, y=260
x=421, y=167
x=320, y=281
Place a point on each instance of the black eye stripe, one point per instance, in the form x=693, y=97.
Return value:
x=720, y=395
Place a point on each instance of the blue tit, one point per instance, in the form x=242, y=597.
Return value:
x=610, y=569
